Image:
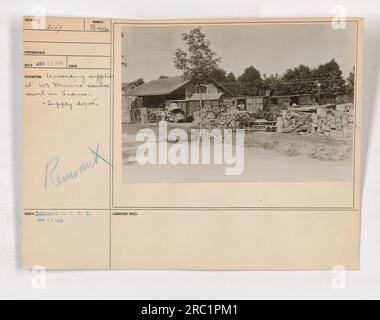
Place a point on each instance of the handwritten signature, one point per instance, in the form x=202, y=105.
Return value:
x=53, y=177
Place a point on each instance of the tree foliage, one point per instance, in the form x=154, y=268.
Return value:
x=250, y=75
x=230, y=78
x=250, y=82
x=325, y=79
x=329, y=78
x=219, y=75
x=138, y=82
x=297, y=81
x=199, y=61
x=350, y=84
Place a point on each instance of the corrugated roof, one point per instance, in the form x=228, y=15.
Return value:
x=158, y=87
x=206, y=96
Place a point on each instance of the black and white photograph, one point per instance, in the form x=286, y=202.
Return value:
x=190, y=157
x=244, y=102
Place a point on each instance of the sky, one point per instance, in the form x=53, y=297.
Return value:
x=149, y=50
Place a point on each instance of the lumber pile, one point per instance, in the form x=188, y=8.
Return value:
x=329, y=120
x=226, y=118
x=297, y=122
x=233, y=118
x=334, y=122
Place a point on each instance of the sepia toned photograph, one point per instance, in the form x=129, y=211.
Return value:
x=257, y=102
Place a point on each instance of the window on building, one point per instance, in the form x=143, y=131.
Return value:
x=201, y=89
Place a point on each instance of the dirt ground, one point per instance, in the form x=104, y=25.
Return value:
x=312, y=146
x=317, y=147
x=267, y=157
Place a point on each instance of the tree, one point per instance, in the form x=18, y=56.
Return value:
x=138, y=82
x=329, y=78
x=230, y=84
x=298, y=81
x=250, y=75
x=271, y=83
x=230, y=78
x=199, y=61
x=219, y=75
x=350, y=84
x=250, y=81
x=326, y=79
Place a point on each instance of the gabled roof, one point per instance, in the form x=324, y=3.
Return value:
x=128, y=85
x=158, y=87
x=220, y=85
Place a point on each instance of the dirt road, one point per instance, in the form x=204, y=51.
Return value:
x=267, y=157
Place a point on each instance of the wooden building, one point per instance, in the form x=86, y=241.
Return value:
x=210, y=100
x=251, y=104
x=156, y=92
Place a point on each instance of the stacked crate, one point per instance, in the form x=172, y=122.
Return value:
x=335, y=122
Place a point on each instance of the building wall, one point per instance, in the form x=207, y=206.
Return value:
x=325, y=99
x=344, y=99
x=157, y=101
x=209, y=88
x=254, y=104
x=130, y=106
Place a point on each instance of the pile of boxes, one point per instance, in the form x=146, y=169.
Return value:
x=335, y=121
